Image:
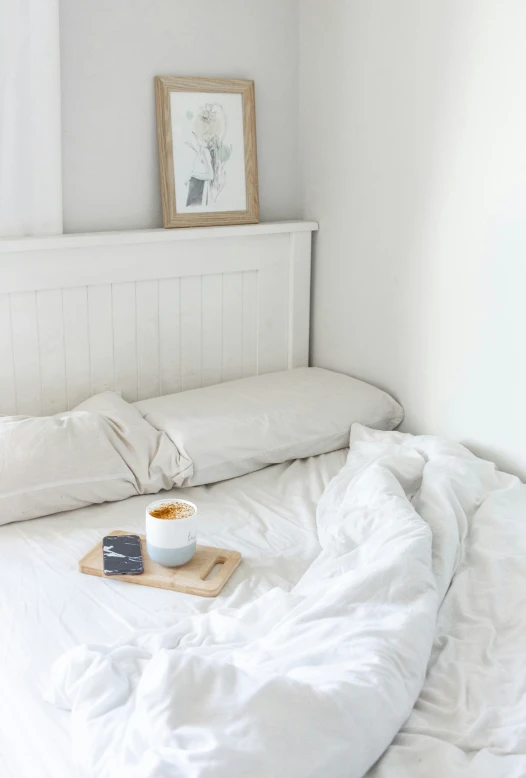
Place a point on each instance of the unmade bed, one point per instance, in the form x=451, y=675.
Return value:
x=468, y=719
x=377, y=621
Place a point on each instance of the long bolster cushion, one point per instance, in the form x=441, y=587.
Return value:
x=241, y=426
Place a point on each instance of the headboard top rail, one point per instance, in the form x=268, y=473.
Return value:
x=85, y=240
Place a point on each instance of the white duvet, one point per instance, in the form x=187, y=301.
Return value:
x=316, y=682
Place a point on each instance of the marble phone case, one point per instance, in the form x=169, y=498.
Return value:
x=122, y=555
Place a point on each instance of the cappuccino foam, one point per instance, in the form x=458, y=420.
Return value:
x=172, y=510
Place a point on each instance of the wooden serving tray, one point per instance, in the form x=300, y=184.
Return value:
x=188, y=578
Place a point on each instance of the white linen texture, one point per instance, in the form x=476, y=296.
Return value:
x=307, y=683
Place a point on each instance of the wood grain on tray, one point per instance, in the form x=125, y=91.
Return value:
x=190, y=578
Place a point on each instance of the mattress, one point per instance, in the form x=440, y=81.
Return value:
x=47, y=606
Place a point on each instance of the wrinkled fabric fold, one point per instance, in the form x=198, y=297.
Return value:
x=101, y=451
x=312, y=682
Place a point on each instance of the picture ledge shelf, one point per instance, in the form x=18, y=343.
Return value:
x=161, y=235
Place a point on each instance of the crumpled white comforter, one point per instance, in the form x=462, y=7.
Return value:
x=310, y=683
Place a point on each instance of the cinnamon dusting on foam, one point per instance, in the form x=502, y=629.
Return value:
x=172, y=510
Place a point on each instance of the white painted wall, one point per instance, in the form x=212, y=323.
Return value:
x=110, y=52
x=413, y=120
x=30, y=137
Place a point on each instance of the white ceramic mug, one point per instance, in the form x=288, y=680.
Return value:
x=171, y=542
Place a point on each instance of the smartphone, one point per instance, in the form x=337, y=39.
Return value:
x=122, y=555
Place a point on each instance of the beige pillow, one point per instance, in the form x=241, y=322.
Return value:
x=241, y=426
x=101, y=451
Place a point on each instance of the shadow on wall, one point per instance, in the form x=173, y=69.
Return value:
x=420, y=193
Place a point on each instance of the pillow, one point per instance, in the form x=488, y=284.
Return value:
x=101, y=451
x=241, y=426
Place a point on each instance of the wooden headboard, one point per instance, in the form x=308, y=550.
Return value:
x=149, y=312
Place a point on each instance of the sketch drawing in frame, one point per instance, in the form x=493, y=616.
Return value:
x=206, y=130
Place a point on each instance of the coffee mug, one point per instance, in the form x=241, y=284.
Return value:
x=171, y=542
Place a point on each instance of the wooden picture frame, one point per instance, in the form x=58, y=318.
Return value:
x=206, y=130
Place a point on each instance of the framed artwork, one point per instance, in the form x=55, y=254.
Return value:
x=206, y=129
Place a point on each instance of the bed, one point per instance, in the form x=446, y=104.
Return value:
x=469, y=717
x=379, y=605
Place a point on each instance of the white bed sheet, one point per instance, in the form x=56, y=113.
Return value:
x=469, y=719
x=47, y=606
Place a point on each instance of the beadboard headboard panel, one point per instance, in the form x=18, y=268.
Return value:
x=149, y=312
